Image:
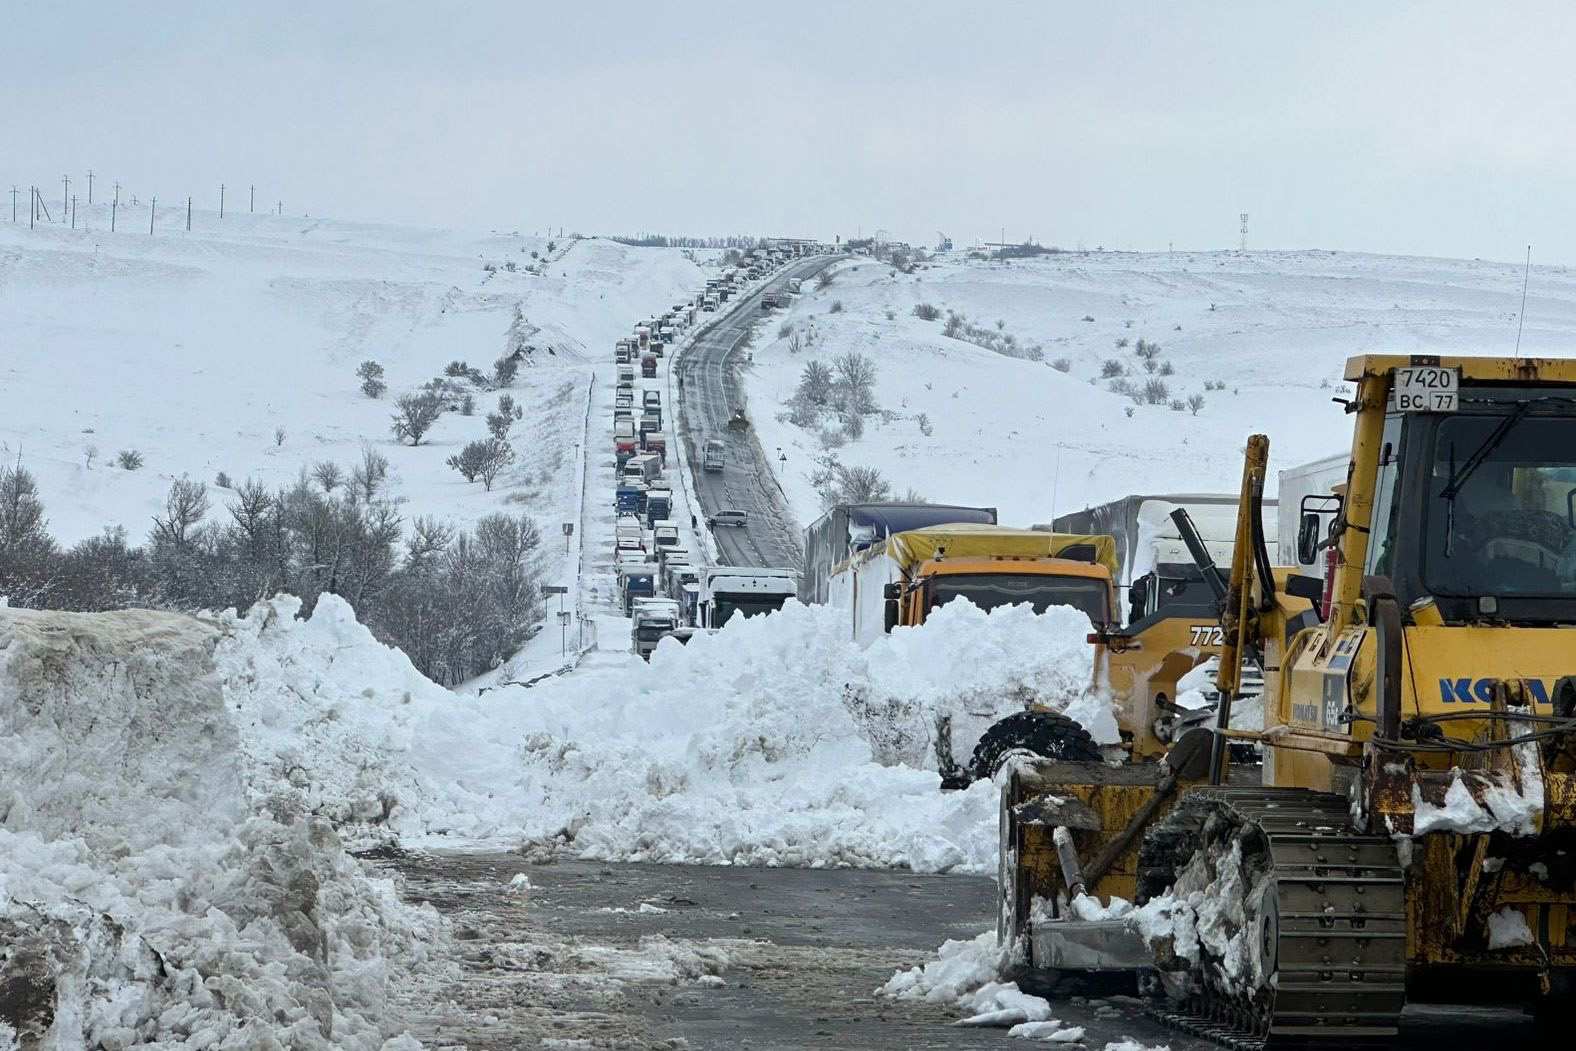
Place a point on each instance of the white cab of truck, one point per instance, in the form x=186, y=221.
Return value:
x=729, y=591
x=650, y=619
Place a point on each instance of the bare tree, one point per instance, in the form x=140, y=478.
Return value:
x=328, y=475
x=499, y=422
x=368, y=476
x=815, y=383
x=184, y=507
x=371, y=374
x=856, y=380
x=415, y=415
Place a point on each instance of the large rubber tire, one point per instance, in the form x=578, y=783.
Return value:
x=1048, y=735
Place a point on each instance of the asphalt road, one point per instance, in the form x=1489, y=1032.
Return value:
x=710, y=392
x=710, y=958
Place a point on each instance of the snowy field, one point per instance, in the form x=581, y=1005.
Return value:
x=194, y=348
x=1272, y=328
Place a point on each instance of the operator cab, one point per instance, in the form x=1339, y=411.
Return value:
x=1475, y=508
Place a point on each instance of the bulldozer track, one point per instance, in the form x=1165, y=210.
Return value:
x=1338, y=933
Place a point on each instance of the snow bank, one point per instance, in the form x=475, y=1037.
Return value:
x=775, y=742
x=141, y=899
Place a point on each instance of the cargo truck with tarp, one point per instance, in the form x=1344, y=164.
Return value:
x=848, y=529
x=899, y=580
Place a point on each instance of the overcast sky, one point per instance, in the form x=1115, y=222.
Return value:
x=1433, y=128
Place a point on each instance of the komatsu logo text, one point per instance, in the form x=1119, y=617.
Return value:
x=1481, y=691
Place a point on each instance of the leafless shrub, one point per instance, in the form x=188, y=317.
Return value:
x=129, y=460
x=927, y=311
x=414, y=416
x=371, y=374
x=328, y=475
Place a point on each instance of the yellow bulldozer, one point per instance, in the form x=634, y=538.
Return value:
x=1411, y=830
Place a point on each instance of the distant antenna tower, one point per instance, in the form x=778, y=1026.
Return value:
x=1244, y=217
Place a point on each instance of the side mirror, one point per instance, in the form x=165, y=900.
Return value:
x=1308, y=539
x=1138, y=596
x=889, y=609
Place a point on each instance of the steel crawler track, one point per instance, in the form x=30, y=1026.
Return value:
x=1332, y=923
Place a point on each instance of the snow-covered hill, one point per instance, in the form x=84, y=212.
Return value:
x=1271, y=331
x=193, y=348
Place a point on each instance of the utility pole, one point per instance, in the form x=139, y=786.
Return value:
x=188, y=213
x=281, y=207
x=13, y=202
x=65, y=196
x=221, y=200
x=73, y=211
x=251, y=199
x=32, y=205
x=90, y=185
x=153, y=209
x=114, y=206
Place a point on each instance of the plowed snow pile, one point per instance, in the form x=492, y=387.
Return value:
x=776, y=741
x=143, y=899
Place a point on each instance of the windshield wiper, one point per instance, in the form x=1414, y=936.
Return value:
x=1459, y=475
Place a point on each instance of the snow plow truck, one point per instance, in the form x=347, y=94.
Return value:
x=1411, y=831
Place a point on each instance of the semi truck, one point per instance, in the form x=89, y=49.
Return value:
x=715, y=456
x=898, y=580
x=1153, y=563
x=636, y=580
x=847, y=529
x=748, y=591
x=650, y=619
x=659, y=505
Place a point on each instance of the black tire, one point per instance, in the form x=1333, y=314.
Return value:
x=1048, y=735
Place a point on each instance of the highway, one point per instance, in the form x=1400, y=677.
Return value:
x=710, y=390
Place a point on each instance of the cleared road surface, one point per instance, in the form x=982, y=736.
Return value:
x=668, y=958
x=709, y=394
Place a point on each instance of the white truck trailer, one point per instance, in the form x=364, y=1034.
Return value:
x=1317, y=478
x=728, y=591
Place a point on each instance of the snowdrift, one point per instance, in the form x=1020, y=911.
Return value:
x=142, y=898
x=777, y=741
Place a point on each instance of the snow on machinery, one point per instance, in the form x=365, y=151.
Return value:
x=1412, y=830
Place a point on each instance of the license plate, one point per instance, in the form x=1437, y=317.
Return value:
x=1427, y=388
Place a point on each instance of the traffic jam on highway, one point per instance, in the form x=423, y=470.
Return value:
x=667, y=588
